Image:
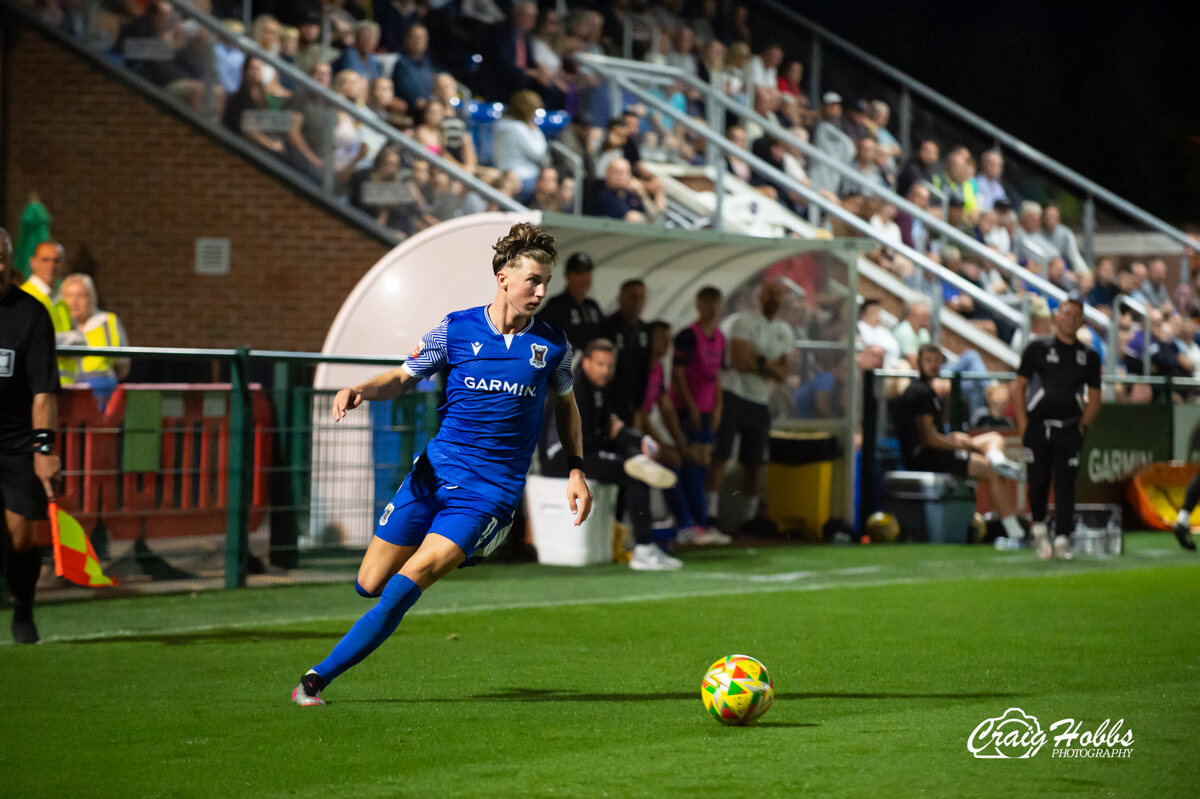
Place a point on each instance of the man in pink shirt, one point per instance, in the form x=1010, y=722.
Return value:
x=696, y=391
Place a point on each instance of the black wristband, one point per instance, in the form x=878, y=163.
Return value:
x=43, y=441
x=574, y=462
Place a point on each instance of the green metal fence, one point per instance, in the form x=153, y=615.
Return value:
x=233, y=482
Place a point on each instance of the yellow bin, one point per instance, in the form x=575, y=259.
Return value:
x=800, y=481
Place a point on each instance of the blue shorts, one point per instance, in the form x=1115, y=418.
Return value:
x=424, y=505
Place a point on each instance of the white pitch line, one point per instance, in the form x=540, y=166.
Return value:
x=557, y=603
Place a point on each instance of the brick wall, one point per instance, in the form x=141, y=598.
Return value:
x=132, y=186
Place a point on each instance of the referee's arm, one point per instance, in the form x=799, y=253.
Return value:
x=46, y=466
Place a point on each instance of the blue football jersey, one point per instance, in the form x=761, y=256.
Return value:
x=496, y=391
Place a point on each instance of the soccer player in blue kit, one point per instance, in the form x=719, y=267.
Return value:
x=457, y=502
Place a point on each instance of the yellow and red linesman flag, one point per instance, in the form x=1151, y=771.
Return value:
x=74, y=557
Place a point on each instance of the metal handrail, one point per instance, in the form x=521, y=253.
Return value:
x=337, y=101
x=577, y=171
x=1001, y=136
x=811, y=196
x=1036, y=281
x=226, y=354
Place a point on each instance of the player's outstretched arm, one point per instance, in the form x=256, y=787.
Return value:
x=386, y=386
x=570, y=433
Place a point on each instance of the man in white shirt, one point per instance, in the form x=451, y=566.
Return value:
x=873, y=332
x=914, y=331
x=764, y=69
x=760, y=344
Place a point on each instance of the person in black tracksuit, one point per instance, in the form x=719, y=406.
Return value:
x=1056, y=373
x=1183, y=522
x=29, y=466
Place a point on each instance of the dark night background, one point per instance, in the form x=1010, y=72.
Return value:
x=1110, y=90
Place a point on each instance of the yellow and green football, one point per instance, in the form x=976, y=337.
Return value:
x=737, y=690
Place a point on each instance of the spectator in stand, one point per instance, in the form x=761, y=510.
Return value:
x=578, y=138
x=395, y=18
x=706, y=24
x=697, y=396
x=920, y=168
x=251, y=97
x=1031, y=244
x=772, y=150
x=1041, y=323
x=548, y=42
x=683, y=51
x=737, y=71
x=383, y=183
x=1056, y=273
x=912, y=230
x=546, y=192
x=1062, y=238
x=914, y=330
x=1105, y=290
x=1186, y=341
x=382, y=102
x=712, y=61
x=872, y=331
x=314, y=121
x=854, y=123
x=739, y=168
x=997, y=236
x=612, y=145
x=431, y=132
x=764, y=68
x=310, y=52
x=518, y=144
x=361, y=57
x=990, y=184
x=170, y=68
x=289, y=45
x=229, y=59
x=265, y=31
x=864, y=163
x=766, y=104
x=619, y=199
x=878, y=116
x=506, y=183
x=667, y=14
x=957, y=181
x=1154, y=288
x=349, y=148
x=513, y=65
x=414, y=71
x=790, y=78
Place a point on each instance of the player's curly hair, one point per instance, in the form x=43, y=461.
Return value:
x=523, y=239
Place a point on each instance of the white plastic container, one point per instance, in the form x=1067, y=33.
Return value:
x=558, y=541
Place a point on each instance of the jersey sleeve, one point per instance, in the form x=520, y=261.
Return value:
x=429, y=356
x=41, y=367
x=1093, y=370
x=685, y=347
x=562, y=381
x=1028, y=361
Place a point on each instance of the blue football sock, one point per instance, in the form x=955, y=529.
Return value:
x=372, y=629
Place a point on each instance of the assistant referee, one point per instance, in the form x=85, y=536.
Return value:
x=1056, y=374
x=29, y=466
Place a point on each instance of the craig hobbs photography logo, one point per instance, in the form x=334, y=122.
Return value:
x=1017, y=735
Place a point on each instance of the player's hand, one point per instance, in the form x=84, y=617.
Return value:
x=579, y=496
x=48, y=469
x=345, y=400
x=694, y=416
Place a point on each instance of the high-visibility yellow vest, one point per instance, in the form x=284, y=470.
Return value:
x=60, y=316
x=101, y=330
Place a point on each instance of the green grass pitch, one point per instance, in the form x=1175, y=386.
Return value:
x=524, y=681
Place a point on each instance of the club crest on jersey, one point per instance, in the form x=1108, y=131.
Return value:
x=417, y=349
x=538, y=361
x=1052, y=356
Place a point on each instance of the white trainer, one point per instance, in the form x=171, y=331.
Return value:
x=1041, y=538
x=688, y=535
x=1009, y=468
x=1062, y=547
x=649, y=558
x=712, y=537
x=650, y=472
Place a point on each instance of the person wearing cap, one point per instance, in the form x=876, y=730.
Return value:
x=1056, y=397
x=573, y=311
x=854, y=122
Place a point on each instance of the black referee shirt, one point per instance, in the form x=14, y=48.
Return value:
x=633, y=364
x=579, y=320
x=1057, y=373
x=919, y=399
x=27, y=366
x=595, y=412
